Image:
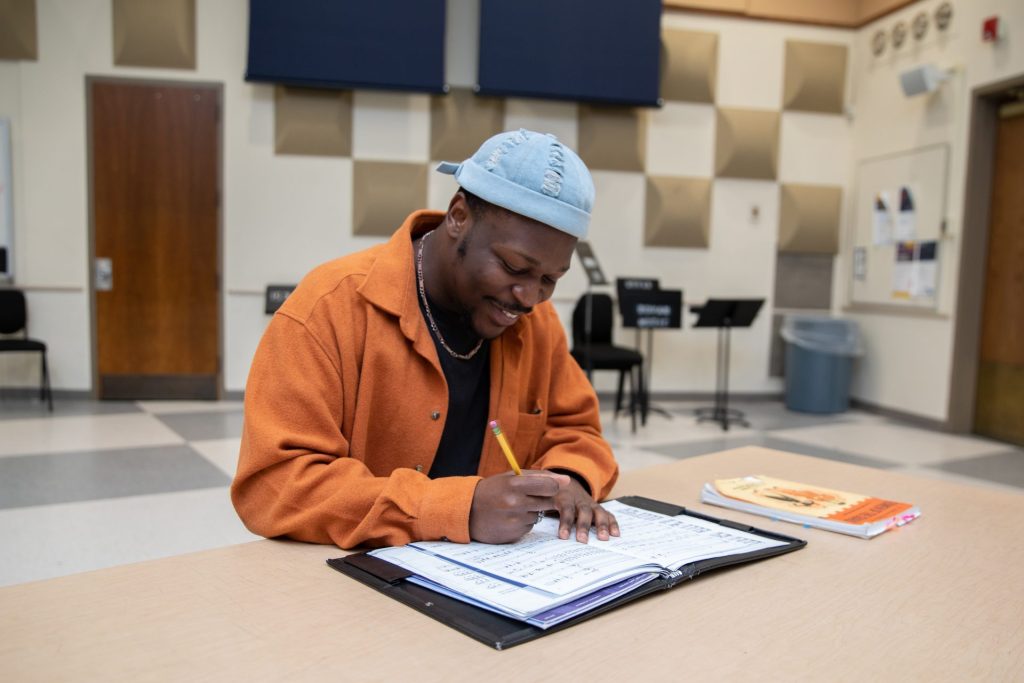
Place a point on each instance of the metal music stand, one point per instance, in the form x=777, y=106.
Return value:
x=724, y=314
x=646, y=307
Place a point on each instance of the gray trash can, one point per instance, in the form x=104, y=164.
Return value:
x=819, y=357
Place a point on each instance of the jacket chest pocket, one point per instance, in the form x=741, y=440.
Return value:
x=527, y=436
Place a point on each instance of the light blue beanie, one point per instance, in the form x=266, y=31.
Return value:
x=533, y=175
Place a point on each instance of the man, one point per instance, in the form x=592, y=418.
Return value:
x=367, y=404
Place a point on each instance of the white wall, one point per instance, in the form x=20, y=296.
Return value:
x=740, y=260
x=908, y=364
x=284, y=214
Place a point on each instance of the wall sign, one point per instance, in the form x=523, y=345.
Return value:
x=275, y=296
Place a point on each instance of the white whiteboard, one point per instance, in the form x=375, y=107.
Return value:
x=886, y=185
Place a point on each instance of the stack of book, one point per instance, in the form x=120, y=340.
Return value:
x=813, y=506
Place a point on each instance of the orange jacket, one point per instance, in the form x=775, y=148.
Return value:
x=345, y=404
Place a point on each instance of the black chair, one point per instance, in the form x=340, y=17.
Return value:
x=593, y=349
x=14, y=319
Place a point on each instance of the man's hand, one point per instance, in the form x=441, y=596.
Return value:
x=505, y=506
x=576, y=508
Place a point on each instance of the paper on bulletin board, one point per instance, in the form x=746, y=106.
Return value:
x=906, y=218
x=881, y=214
x=903, y=271
x=926, y=270
x=915, y=274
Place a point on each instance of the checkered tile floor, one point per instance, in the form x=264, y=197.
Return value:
x=105, y=483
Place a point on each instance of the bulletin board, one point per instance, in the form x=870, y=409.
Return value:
x=899, y=219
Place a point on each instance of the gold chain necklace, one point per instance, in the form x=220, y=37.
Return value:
x=426, y=307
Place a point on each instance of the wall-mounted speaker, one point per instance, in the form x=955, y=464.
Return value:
x=922, y=79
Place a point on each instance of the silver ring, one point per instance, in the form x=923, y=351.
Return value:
x=540, y=517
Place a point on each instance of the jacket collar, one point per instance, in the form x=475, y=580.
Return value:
x=391, y=281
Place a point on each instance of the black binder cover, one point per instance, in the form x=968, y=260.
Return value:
x=501, y=632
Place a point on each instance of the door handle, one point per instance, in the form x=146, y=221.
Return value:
x=103, y=272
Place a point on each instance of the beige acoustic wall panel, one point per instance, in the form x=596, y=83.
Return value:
x=312, y=121
x=747, y=144
x=156, y=33
x=803, y=281
x=678, y=212
x=809, y=219
x=18, y=30
x=689, y=65
x=815, y=77
x=384, y=193
x=460, y=121
x=612, y=138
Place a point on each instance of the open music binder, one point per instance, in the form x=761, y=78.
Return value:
x=509, y=594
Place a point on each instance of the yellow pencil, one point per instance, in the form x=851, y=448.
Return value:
x=506, y=449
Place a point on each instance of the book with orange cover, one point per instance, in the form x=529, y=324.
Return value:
x=814, y=506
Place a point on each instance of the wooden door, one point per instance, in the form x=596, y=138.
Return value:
x=155, y=194
x=999, y=406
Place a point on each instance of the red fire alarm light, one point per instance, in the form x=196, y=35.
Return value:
x=991, y=29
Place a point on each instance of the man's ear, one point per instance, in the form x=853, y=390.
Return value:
x=459, y=217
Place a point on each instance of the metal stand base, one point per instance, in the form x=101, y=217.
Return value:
x=646, y=407
x=721, y=412
x=723, y=416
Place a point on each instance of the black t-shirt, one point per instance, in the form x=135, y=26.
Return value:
x=469, y=385
x=469, y=397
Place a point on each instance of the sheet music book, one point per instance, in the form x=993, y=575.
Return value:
x=510, y=593
x=841, y=511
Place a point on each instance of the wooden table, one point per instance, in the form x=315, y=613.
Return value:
x=939, y=599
